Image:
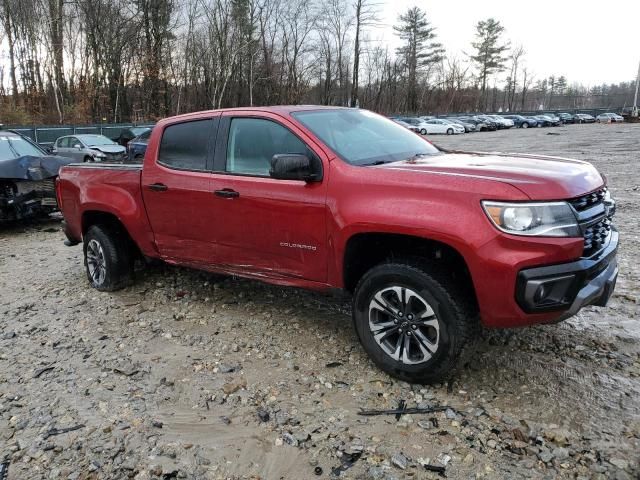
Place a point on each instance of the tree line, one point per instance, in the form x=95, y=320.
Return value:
x=139, y=60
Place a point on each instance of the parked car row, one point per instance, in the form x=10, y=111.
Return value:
x=453, y=125
x=129, y=147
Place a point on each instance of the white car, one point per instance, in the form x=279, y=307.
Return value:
x=609, y=118
x=437, y=125
x=418, y=123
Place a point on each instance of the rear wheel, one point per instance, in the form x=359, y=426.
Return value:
x=423, y=131
x=108, y=258
x=525, y=125
x=413, y=320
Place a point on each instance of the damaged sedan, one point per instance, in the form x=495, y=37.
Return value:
x=27, y=176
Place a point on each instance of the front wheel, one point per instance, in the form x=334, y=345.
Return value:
x=108, y=258
x=423, y=131
x=525, y=125
x=449, y=131
x=413, y=320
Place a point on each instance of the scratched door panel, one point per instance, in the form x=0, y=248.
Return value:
x=277, y=227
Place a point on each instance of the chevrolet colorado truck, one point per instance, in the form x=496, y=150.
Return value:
x=431, y=243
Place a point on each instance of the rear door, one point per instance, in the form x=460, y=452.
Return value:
x=435, y=127
x=176, y=187
x=270, y=228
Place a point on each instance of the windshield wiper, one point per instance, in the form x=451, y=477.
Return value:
x=417, y=156
x=377, y=162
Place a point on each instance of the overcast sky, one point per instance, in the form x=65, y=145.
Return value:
x=588, y=41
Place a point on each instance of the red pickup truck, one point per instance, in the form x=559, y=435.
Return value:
x=431, y=243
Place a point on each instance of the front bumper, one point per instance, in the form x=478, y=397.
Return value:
x=566, y=288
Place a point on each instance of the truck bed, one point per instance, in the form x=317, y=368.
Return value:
x=111, y=188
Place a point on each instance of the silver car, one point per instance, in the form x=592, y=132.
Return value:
x=89, y=148
x=609, y=118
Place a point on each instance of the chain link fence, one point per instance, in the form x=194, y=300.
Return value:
x=46, y=135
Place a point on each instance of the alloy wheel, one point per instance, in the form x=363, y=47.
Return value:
x=404, y=325
x=96, y=262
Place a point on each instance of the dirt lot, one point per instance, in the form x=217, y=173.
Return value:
x=187, y=375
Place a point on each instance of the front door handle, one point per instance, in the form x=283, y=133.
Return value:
x=158, y=187
x=227, y=193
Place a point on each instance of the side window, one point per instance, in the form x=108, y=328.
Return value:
x=73, y=141
x=185, y=145
x=253, y=142
x=63, y=142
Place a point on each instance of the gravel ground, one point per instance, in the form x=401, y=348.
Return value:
x=189, y=375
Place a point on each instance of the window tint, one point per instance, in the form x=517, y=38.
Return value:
x=63, y=142
x=73, y=141
x=184, y=145
x=253, y=142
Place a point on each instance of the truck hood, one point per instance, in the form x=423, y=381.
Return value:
x=538, y=177
x=109, y=148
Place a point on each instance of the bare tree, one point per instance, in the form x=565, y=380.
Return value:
x=366, y=14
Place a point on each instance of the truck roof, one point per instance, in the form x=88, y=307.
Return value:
x=280, y=109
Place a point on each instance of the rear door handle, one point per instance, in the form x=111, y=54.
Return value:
x=227, y=193
x=158, y=187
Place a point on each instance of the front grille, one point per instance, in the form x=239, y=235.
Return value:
x=589, y=200
x=596, y=236
x=595, y=218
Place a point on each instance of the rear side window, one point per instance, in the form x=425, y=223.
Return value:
x=185, y=145
x=63, y=142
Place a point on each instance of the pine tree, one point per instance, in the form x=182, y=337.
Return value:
x=420, y=49
x=489, y=52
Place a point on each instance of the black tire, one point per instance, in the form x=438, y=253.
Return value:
x=449, y=131
x=452, y=304
x=525, y=125
x=117, y=255
x=87, y=159
x=423, y=131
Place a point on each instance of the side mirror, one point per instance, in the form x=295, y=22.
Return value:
x=78, y=146
x=292, y=166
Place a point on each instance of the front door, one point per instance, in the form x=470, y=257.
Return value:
x=176, y=186
x=272, y=228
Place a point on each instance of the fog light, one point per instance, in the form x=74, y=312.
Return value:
x=540, y=294
x=547, y=293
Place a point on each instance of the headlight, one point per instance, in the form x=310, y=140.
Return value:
x=543, y=219
x=99, y=155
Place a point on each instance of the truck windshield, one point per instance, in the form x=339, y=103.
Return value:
x=14, y=147
x=361, y=137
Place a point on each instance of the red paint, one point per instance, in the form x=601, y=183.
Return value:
x=259, y=234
